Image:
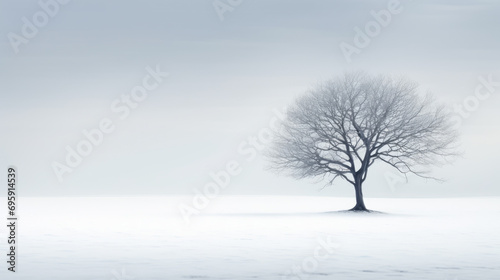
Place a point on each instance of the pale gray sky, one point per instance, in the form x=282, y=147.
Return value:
x=226, y=77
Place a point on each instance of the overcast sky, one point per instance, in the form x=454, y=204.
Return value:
x=228, y=71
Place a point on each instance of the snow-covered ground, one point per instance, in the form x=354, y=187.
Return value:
x=256, y=238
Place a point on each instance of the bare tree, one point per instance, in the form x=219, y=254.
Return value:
x=343, y=126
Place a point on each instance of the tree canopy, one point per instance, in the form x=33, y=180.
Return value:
x=343, y=126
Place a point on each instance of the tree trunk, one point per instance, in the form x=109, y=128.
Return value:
x=360, y=204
